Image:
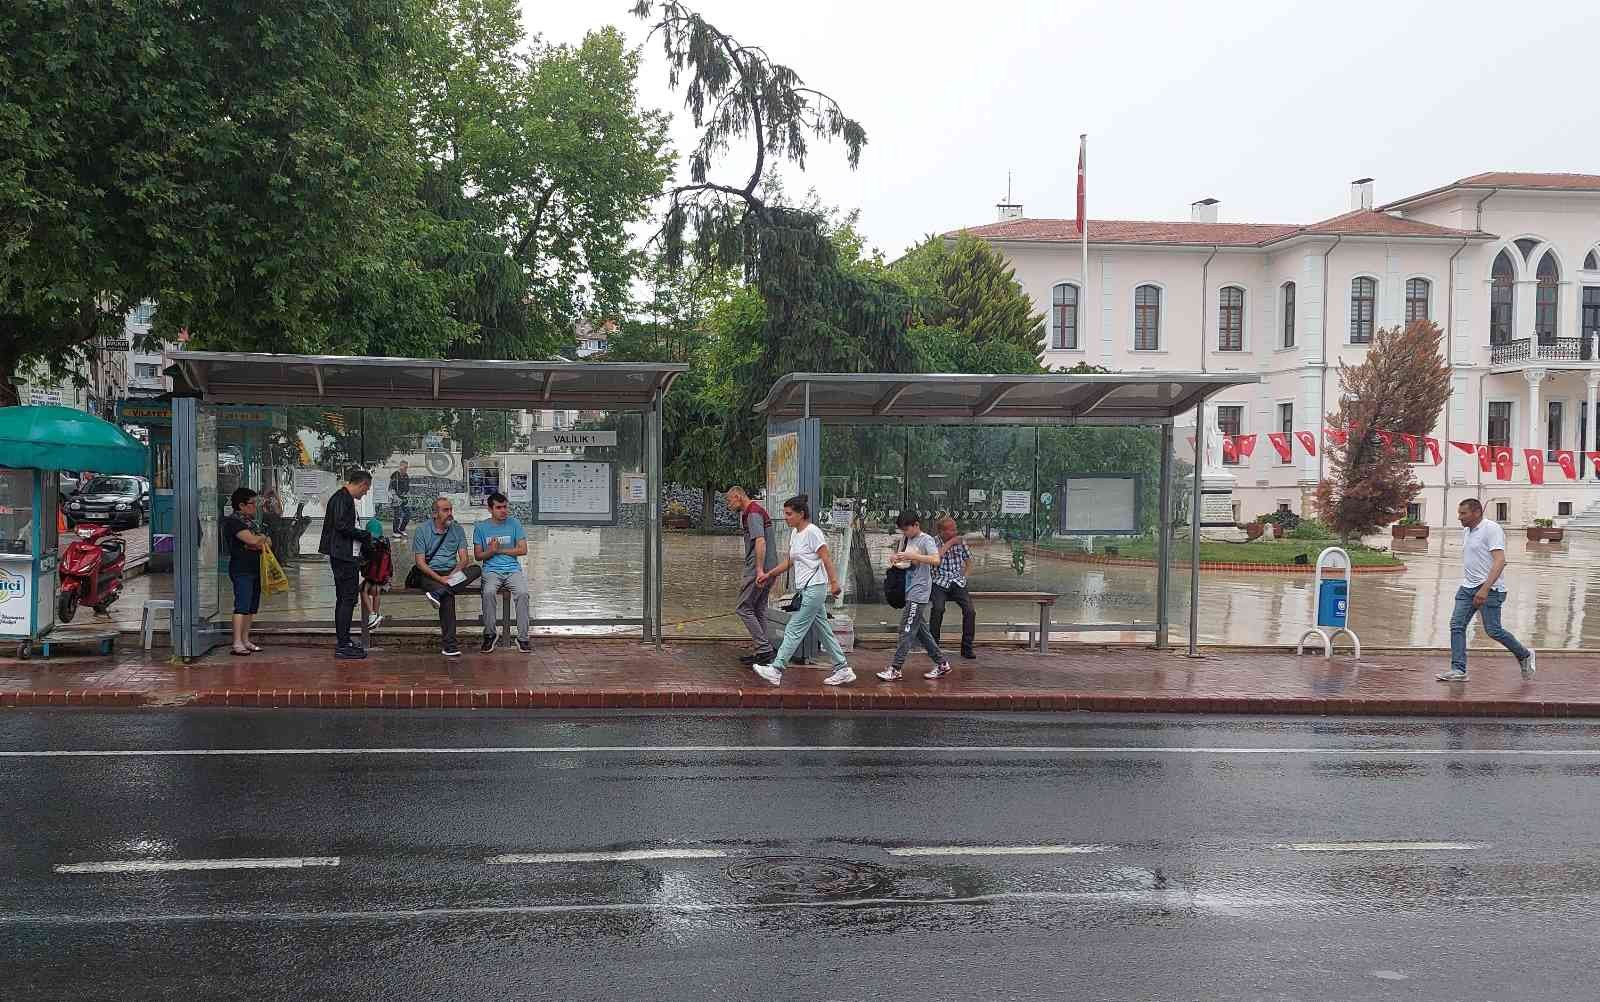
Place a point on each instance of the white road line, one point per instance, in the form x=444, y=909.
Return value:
x=999, y=850
x=1375, y=846
x=923, y=750
x=165, y=865
x=626, y=856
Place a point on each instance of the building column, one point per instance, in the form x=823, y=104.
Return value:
x=1586, y=433
x=1535, y=378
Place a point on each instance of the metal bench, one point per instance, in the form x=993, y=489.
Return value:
x=1043, y=599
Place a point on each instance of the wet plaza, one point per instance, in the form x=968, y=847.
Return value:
x=596, y=573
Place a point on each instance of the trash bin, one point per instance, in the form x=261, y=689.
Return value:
x=1333, y=602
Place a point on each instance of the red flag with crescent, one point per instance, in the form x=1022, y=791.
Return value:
x=1280, y=442
x=1432, y=445
x=1568, y=461
x=1308, y=440
x=1535, y=460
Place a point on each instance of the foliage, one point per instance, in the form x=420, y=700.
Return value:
x=968, y=288
x=1311, y=528
x=1275, y=552
x=1400, y=387
x=1544, y=523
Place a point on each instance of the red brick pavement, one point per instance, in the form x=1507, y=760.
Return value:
x=594, y=674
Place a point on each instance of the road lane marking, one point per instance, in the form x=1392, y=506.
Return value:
x=625, y=856
x=922, y=750
x=999, y=850
x=1375, y=846
x=166, y=865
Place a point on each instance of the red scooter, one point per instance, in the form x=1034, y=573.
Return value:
x=90, y=571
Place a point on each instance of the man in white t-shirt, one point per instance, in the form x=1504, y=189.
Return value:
x=1483, y=588
x=815, y=582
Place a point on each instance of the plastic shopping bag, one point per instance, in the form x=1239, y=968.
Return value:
x=273, y=580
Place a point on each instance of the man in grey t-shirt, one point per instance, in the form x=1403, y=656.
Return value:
x=760, y=555
x=919, y=555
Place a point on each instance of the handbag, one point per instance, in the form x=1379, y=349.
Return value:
x=894, y=584
x=414, y=577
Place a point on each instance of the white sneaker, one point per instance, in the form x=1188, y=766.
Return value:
x=374, y=620
x=938, y=671
x=433, y=599
x=1527, y=666
x=1453, y=675
x=891, y=674
x=842, y=675
x=771, y=674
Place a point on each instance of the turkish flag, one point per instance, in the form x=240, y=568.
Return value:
x=1485, y=459
x=1308, y=440
x=1336, y=436
x=1245, y=445
x=1466, y=447
x=1594, y=460
x=1432, y=445
x=1280, y=441
x=1502, y=464
x=1535, y=460
x=1083, y=187
x=1569, y=463
x=1230, y=451
x=1411, y=447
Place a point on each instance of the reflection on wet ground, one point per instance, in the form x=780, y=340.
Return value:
x=597, y=573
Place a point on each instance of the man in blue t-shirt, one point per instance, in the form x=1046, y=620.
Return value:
x=497, y=544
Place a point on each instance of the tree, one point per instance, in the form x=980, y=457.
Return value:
x=1399, y=388
x=969, y=288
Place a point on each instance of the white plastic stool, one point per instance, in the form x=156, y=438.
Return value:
x=146, y=621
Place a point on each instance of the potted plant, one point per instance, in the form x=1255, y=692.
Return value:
x=1409, y=528
x=1253, y=530
x=676, y=516
x=1543, y=530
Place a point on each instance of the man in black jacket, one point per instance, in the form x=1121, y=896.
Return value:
x=341, y=543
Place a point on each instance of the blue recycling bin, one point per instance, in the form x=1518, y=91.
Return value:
x=1333, y=602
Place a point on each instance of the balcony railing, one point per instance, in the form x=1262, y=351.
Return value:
x=1560, y=349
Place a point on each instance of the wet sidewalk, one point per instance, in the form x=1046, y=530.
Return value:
x=572, y=674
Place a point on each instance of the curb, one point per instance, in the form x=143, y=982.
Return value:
x=796, y=699
x=1208, y=565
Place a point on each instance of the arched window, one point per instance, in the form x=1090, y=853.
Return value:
x=1363, y=309
x=1547, y=299
x=1146, y=318
x=1230, y=318
x=1502, y=299
x=1288, y=314
x=1526, y=245
x=1592, y=262
x=1064, y=317
x=1418, y=292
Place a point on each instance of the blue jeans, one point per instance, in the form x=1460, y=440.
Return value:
x=1491, y=626
x=813, y=611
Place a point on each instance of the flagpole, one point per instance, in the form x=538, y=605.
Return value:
x=1083, y=226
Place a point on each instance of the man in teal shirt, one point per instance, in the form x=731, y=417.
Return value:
x=497, y=544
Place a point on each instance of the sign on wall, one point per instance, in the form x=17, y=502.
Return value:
x=1016, y=502
x=574, y=493
x=1100, y=506
x=573, y=439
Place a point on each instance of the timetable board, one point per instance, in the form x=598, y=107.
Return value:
x=574, y=493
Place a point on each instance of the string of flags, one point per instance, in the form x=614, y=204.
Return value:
x=1495, y=459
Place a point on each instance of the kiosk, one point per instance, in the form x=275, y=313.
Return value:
x=35, y=444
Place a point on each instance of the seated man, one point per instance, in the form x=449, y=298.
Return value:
x=497, y=543
x=439, y=548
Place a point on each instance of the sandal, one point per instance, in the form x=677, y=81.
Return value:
x=253, y=648
x=238, y=653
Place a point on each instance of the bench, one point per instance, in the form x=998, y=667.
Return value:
x=1043, y=599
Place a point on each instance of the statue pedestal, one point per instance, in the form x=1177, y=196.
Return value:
x=1217, y=519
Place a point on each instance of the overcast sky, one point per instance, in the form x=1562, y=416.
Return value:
x=1271, y=107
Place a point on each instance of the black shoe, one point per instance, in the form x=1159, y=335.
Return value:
x=451, y=651
x=969, y=655
x=524, y=647
x=351, y=653
x=490, y=640
x=799, y=661
x=764, y=658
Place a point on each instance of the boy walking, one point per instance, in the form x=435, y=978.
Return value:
x=1482, y=589
x=919, y=555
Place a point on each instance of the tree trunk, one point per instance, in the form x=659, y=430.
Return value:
x=862, y=576
x=708, y=507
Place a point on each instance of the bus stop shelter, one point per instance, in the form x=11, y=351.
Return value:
x=801, y=406
x=208, y=382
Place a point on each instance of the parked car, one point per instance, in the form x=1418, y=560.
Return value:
x=123, y=502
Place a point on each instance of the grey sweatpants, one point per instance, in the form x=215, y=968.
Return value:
x=752, y=612
x=914, y=630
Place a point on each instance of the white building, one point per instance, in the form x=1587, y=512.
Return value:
x=1508, y=265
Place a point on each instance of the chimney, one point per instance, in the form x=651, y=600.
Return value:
x=1009, y=210
x=1361, y=194
x=1203, y=211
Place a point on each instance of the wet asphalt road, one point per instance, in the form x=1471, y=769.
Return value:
x=1178, y=857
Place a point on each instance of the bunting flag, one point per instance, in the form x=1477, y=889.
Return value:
x=1569, y=463
x=1281, y=442
x=1502, y=464
x=1535, y=460
x=1191, y=443
x=1308, y=440
x=1244, y=445
x=1485, y=459
x=1432, y=445
x=1385, y=439
x=1466, y=447
x=1230, y=451
x=1336, y=436
x=1411, y=447
x=1594, y=460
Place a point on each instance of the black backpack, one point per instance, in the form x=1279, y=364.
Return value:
x=894, y=584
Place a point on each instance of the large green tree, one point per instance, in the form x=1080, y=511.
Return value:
x=966, y=287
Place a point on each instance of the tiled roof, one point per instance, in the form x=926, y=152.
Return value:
x=1525, y=180
x=1124, y=231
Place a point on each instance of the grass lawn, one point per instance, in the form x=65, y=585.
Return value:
x=1281, y=551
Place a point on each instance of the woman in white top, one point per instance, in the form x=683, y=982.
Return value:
x=815, y=581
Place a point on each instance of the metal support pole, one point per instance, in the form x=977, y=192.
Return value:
x=1194, y=531
x=1164, y=540
x=186, y=528
x=653, y=534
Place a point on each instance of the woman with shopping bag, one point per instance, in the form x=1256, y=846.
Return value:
x=247, y=551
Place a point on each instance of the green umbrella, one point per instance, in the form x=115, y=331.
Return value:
x=60, y=438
